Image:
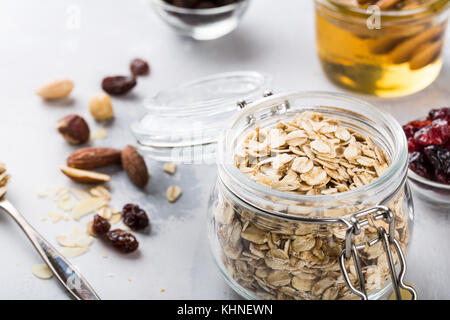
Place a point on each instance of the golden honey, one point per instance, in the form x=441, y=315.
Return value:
x=399, y=56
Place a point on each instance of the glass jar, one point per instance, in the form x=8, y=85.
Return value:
x=201, y=24
x=385, y=53
x=271, y=244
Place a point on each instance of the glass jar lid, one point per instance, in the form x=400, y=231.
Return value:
x=184, y=123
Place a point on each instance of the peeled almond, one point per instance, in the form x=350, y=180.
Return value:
x=57, y=89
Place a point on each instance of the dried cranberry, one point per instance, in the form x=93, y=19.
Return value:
x=412, y=145
x=122, y=240
x=419, y=164
x=139, y=67
x=443, y=113
x=436, y=133
x=134, y=217
x=439, y=159
x=420, y=124
x=409, y=130
x=100, y=226
x=118, y=85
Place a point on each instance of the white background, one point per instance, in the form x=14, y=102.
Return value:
x=38, y=44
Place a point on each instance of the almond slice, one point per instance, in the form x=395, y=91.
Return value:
x=87, y=206
x=41, y=271
x=73, y=252
x=84, y=176
x=55, y=216
x=80, y=194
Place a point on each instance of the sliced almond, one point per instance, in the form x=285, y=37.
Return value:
x=87, y=206
x=41, y=271
x=73, y=252
x=100, y=191
x=115, y=218
x=90, y=229
x=84, y=176
x=80, y=194
x=55, y=216
x=105, y=212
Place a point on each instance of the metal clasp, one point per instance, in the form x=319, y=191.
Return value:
x=350, y=250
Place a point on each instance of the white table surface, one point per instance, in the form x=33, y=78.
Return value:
x=40, y=41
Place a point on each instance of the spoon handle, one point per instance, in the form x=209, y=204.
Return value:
x=63, y=270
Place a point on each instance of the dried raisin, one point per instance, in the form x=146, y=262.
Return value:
x=419, y=164
x=100, y=225
x=139, y=67
x=439, y=159
x=118, y=85
x=134, y=217
x=122, y=240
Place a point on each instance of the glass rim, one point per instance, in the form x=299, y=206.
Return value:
x=202, y=12
x=437, y=185
x=424, y=9
x=398, y=161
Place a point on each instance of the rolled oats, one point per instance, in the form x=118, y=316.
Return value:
x=281, y=259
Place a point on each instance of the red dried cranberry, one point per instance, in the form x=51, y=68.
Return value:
x=420, y=124
x=412, y=145
x=419, y=164
x=439, y=159
x=100, y=225
x=134, y=217
x=122, y=240
x=409, y=130
x=443, y=113
x=139, y=67
x=118, y=85
x=436, y=133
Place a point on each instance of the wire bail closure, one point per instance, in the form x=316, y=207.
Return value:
x=350, y=250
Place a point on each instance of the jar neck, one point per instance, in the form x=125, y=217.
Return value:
x=383, y=129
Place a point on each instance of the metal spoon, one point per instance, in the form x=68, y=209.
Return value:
x=70, y=278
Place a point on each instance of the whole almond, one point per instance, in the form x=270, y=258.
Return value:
x=57, y=89
x=84, y=176
x=135, y=166
x=94, y=157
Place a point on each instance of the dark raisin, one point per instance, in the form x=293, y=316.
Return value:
x=122, y=240
x=100, y=226
x=439, y=159
x=118, y=85
x=443, y=113
x=436, y=133
x=134, y=217
x=139, y=67
x=419, y=164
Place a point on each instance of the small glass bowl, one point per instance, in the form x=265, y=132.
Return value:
x=434, y=192
x=201, y=24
